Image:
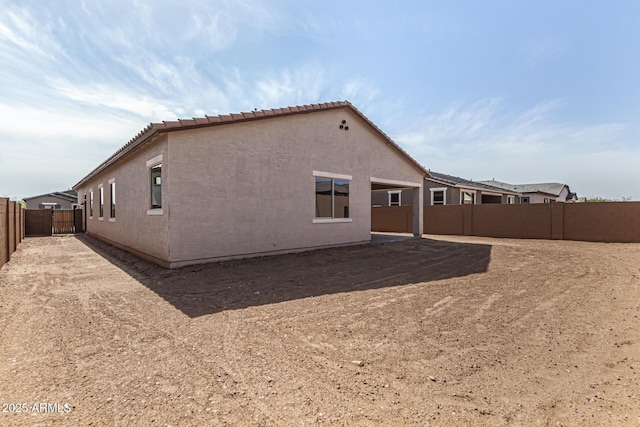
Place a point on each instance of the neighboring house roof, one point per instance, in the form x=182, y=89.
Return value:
x=67, y=195
x=456, y=181
x=154, y=129
x=553, y=188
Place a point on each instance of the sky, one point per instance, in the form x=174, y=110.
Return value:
x=518, y=91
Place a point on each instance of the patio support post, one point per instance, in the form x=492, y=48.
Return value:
x=418, y=210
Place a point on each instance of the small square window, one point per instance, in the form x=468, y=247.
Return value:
x=468, y=198
x=395, y=197
x=438, y=197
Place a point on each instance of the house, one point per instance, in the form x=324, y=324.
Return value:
x=538, y=193
x=443, y=189
x=248, y=184
x=56, y=200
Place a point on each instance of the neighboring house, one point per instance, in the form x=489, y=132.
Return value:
x=247, y=184
x=58, y=200
x=538, y=193
x=443, y=189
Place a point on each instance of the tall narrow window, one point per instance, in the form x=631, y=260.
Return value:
x=112, y=199
x=324, y=198
x=101, y=202
x=91, y=203
x=332, y=198
x=156, y=186
x=340, y=198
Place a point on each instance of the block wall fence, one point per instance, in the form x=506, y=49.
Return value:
x=593, y=222
x=11, y=228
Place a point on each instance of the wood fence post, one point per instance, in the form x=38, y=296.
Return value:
x=7, y=242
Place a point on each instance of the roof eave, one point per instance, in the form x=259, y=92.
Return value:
x=154, y=129
x=124, y=150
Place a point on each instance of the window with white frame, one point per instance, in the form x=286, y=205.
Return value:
x=438, y=196
x=155, y=185
x=467, y=197
x=395, y=197
x=112, y=199
x=511, y=200
x=331, y=197
x=101, y=206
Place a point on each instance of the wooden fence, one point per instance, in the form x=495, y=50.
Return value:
x=596, y=222
x=45, y=222
x=11, y=228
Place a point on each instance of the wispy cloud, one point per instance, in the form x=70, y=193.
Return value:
x=290, y=87
x=20, y=29
x=487, y=140
x=359, y=91
x=83, y=77
x=541, y=50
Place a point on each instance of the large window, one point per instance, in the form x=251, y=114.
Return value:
x=156, y=186
x=332, y=198
x=112, y=199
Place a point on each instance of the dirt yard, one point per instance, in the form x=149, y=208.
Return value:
x=458, y=331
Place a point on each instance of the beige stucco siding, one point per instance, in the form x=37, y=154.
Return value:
x=249, y=188
x=539, y=197
x=35, y=202
x=133, y=228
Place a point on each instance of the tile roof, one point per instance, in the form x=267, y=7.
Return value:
x=462, y=182
x=154, y=129
x=554, y=188
x=68, y=195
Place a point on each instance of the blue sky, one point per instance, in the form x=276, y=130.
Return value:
x=518, y=91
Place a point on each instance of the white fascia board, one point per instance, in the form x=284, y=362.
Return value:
x=394, y=182
x=321, y=174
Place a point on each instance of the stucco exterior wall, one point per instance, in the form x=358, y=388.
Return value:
x=452, y=195
x=538, y=197
x=563, y=195
x=381, y=197
x=249, y=188
x=35, y=202
x=133, y=229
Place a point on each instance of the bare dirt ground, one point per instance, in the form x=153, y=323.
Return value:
x=457, y=331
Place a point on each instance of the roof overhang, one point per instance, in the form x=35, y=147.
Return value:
x=153, y=130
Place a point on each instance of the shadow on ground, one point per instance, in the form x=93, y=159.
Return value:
x=230, y=285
